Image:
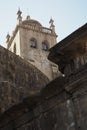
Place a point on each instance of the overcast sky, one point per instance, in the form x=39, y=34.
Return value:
x=68, y=15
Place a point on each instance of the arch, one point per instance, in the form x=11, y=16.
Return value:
x=33, y=43
x=45, y=45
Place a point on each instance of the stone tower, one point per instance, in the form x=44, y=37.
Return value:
x=31, y=41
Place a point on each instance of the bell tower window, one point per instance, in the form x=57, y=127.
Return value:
x=44, y=46
x=33, y=43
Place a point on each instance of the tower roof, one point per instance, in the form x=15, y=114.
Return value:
x=31, y=22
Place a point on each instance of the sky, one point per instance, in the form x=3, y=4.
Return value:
x=68, y=15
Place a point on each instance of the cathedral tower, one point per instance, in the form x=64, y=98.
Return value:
x=31, y=41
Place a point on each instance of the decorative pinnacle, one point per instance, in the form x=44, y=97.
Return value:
x=7, y=37
x=51, y=21
x=28, y=17
x=19, y=13
x=52, y=26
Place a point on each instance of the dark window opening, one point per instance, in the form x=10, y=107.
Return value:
x=44, y=46
x=33, y=43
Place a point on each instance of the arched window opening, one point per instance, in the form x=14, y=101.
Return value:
x=33, y=43
x=44, y=46
x=14, y=48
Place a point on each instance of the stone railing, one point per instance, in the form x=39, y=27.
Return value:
x=41, y=29
x=46, y=30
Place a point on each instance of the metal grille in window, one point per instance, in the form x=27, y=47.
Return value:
x=44, y=46
x=33, y=43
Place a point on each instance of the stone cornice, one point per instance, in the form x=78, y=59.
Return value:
x=57, y=51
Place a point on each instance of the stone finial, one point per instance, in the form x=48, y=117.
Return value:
x=19, y=16
x=7, y=37
x=52, y=27
x=28, y=17
x=51, y=21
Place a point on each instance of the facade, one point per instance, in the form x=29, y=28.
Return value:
x=62, y=104
x=31, y=41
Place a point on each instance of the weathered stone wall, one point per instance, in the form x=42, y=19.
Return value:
x=61, y=105
x=50, y=110
x=18, y=79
